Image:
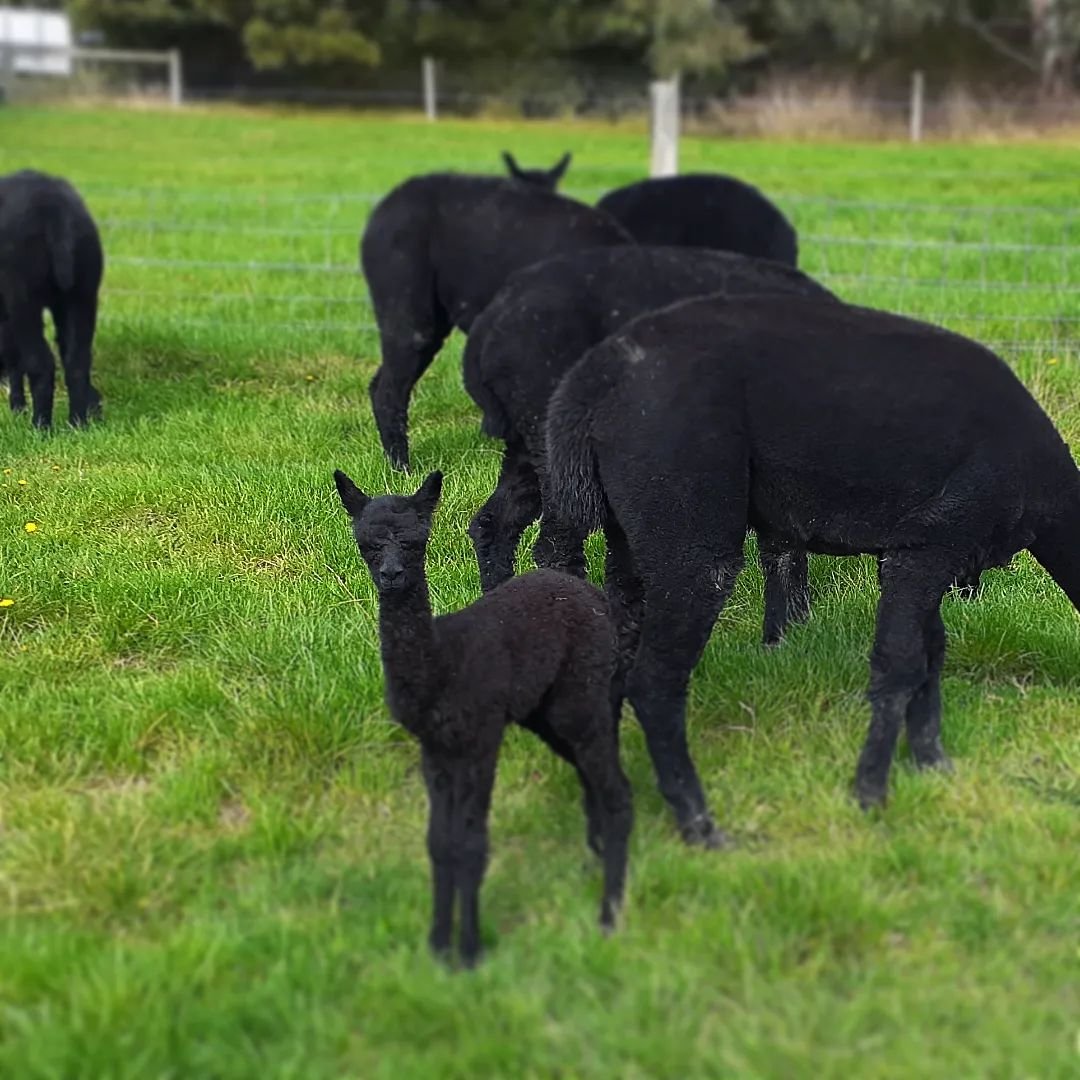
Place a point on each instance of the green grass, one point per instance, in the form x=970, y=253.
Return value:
x=211, y=835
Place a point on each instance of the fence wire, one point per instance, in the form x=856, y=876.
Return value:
x=270, y=264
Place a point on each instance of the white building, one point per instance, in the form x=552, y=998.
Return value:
x=32, y=29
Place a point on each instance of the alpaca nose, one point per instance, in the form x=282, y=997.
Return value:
x=391, y=575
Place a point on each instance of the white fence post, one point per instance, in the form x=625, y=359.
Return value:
x=916, y=106
x=176, y=79
x=664, y=127
x=427, y=70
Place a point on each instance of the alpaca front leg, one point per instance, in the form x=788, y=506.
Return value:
x=499, y=523
x=440, y=787
x=472, y=803
x=559, y=545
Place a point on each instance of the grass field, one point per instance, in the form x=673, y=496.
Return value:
x=211, y=835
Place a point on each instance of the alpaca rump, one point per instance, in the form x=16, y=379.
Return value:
x=50, y=260
x=434, y=253
x=704, y=210
x=537, y=327
x=537, y=652
x=831, y=428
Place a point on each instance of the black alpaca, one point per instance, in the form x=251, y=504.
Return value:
x=434, y=253
x=836, y=429
x=537, y=652
x=547, y=179
x=704, y=210
x=537, y=327
x=50, y=259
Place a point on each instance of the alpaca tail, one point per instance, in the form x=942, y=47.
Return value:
x=60, y=237
x=573, y=477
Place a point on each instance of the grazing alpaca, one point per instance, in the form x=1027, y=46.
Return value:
x=704, y=210
x=50, y=258
x=548, y=179
x=434, y=253
x=537, y=652
x=537, y=327
x=831, y=428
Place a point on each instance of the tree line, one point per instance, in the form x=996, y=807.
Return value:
x=716, y=45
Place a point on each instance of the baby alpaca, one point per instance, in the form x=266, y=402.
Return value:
x=537, y=652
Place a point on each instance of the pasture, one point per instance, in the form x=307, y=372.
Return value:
x=212, y=837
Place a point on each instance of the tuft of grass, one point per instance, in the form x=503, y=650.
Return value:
x=211, y=835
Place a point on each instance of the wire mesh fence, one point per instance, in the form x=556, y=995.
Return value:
x=273, y=265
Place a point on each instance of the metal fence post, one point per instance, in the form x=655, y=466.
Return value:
x=176, y=79
x=427, y=72
x=916, y=106
x=7, y=74
x=664, y=127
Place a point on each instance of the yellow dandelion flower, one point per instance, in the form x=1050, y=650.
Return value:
x=23, y=483
x=1052, y=360
x=31, y=526
x=7, y=602
x=310, y=378
x=56, y=468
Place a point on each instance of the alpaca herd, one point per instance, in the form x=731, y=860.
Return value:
x=658, y=369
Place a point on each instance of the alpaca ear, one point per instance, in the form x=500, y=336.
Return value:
x=511, y=164
x=555, y=173
x=427, y=498
x=352, y=498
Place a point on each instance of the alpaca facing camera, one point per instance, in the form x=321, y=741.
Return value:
x=538, y=652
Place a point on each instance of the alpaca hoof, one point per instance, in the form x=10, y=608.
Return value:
x=870, y=794
x=470, y=958
x=609, y=918
x=701, y=831
x=935, y=762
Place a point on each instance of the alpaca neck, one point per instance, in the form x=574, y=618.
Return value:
x=1058, y=548
x=410, y=652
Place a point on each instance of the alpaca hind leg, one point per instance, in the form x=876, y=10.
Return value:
x=540, y=725
x=625, y=596
x=923, y=719
x=679, y=617
x=787, y=590
x=913, y=582
x=412, y=335
x=35, y=359
x=76, y=321
x=599, y=763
